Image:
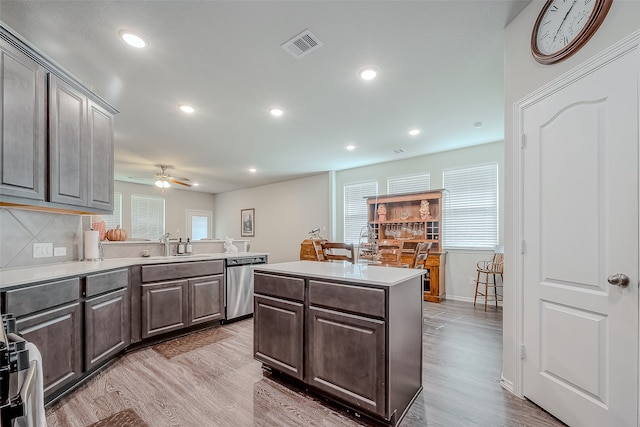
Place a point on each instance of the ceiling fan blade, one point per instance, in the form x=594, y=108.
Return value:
x=176, y=181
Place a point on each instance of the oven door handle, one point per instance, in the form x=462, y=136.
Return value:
x=17, y=406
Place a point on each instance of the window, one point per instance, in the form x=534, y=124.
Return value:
x=355, y=208
x=409, y=184
x=147, y=217
x=112, y=221
x=471, y=207
x=198, y=224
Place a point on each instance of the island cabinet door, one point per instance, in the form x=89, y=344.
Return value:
x=278, y=336
x=164, y=307
x=346, y=358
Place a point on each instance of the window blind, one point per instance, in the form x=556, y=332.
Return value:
x=112, y=221
x=355, y=208
x=147, y=217
x=471, y=207
x=409, y=184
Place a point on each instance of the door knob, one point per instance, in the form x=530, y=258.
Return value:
x=618, y=279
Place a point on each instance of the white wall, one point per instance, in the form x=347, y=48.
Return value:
x=285, y=212
x=460, y=265
x=523, y=75
x=177, y=201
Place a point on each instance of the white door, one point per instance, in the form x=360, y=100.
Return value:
x=580, y=226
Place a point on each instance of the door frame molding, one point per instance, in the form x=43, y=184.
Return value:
x=516, y=245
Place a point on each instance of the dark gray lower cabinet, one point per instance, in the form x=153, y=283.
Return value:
x=107, y=329
x=347, y=357
x=206, y=299
x=176, y=295
x=164, y=307
x=58, y=335
x=279, y=334
x=357, y=343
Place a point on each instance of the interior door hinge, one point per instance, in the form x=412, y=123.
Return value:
x=523, y=352
x=523, y=141
x=523, y=246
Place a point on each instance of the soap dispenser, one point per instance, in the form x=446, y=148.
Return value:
x=189, y=247
x=180, y=247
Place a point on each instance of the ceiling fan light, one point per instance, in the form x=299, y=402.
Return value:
x=161, y=183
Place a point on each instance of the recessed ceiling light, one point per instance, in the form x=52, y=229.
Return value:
x=195, y=184
x=350, y=147
x=252, y=170
x=414, y=132
x=276, y=112
x=133, y=39
x=187, y=108
x=368, y=74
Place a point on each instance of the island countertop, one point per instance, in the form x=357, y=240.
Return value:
x=357, y=273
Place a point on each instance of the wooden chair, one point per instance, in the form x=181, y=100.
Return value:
x=487, y=269
x=420, y=255
x=332, y=251
x=317, y=247
x=390, y=252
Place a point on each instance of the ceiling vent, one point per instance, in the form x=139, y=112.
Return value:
x=302, y=44
x=398, y=150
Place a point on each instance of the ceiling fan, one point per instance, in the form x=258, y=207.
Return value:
x=164, y=180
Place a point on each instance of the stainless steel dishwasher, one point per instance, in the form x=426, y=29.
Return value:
x=239, y=288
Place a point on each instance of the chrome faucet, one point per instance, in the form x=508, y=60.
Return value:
x=165, y=241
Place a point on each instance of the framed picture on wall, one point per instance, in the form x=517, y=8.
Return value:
x=248, y=222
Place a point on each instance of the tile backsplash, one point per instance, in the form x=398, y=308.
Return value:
x=20, y=229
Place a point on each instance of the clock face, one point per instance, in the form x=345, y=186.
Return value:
x=561, y=24
x=564, y=26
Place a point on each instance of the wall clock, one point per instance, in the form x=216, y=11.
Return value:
x=564, y=26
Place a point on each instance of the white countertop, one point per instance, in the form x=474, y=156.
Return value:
x=345, y=271
x=20, y=276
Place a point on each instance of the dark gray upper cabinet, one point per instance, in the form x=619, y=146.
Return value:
x=57, y=136
x=100, y=143
x=67, y=144
x=23, y=133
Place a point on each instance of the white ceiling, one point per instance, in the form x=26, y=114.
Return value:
x=440, y=63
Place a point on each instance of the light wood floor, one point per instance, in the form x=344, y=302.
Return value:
x=221, y=385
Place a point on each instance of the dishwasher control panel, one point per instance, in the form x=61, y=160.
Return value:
x=258, y=259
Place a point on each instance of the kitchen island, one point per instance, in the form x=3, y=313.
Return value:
x=352, y=332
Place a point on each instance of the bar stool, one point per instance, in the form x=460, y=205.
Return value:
x=488, y=269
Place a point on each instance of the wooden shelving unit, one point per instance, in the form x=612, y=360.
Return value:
x=413, y=218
